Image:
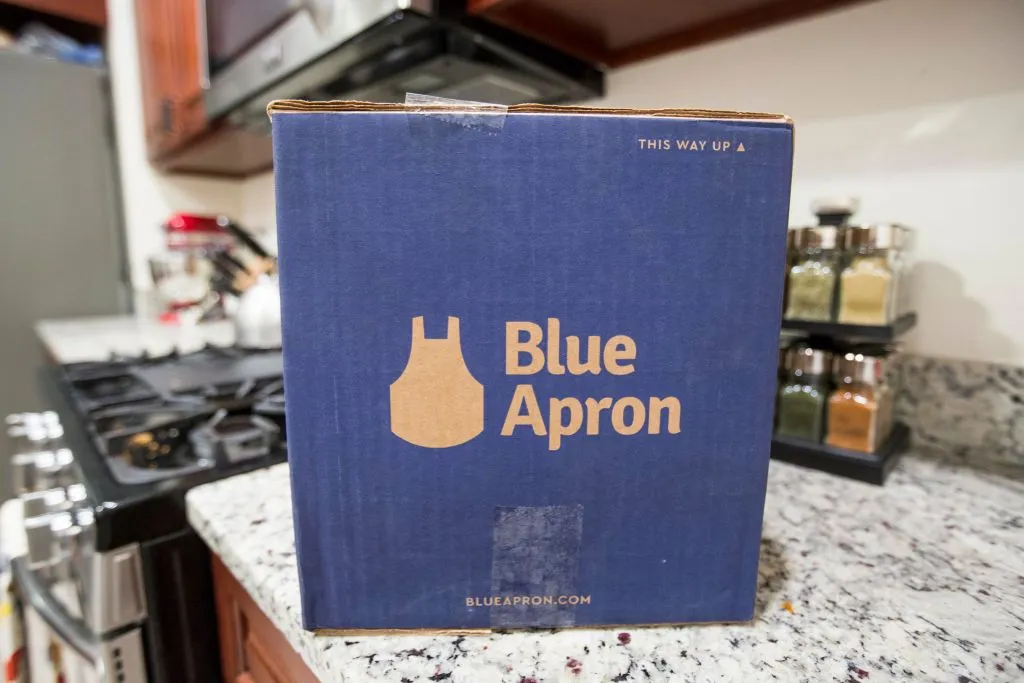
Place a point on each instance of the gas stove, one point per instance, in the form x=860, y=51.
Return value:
x=156, y=419
x=113, y=566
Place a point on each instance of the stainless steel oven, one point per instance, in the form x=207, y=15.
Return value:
x=117, y=587
x=69, y=644
x=252, y=44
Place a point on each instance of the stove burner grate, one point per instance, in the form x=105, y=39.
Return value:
x=234, y=438
x=148, y=436
x=158, y=417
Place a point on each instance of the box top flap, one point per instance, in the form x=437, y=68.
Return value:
x=341, y=107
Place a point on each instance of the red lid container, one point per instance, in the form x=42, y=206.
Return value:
x=192, y=231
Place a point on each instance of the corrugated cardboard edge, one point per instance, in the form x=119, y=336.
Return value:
x=341, y=107
x=455, y=632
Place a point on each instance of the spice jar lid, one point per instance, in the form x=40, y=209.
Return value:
x=819, y=237
x=877, y=236
x=834, y=210
x=808, y=361
x=860, y=367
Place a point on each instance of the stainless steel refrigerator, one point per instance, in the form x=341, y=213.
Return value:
x=61, y=236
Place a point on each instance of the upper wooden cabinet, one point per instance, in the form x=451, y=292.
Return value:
x=92, y=12
x=619, y=32
x=179, y=137
x=172, y=95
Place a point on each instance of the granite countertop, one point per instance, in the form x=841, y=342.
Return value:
x=922, y=579
x=73, y=340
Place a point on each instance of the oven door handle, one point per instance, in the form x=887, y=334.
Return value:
x=70, y=630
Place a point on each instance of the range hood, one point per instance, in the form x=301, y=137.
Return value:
x=379, y=50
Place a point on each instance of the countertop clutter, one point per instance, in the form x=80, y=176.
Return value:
x=75, y=340
x=919, y=580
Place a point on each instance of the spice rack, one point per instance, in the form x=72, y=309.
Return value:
x=868, y=467
x=882, y=334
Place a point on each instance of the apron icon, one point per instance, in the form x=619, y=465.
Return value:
x=436, y=402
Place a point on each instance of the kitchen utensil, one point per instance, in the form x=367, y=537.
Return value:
x=181, y=279
x=258, y=318
x=243, y=236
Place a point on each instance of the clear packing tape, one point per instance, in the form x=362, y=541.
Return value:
x=468, y=114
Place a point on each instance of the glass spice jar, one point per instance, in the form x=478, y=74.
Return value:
x=812, y=279
x=869, y=283
x=800, y=411
x=860, y=410
x=790, y=261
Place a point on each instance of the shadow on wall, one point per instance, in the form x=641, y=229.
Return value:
x=963, y=323
x=971, y=409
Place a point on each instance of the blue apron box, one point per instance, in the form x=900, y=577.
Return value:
x=530, y=360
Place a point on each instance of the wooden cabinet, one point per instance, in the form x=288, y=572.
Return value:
x=179, y=137
x=618, y=32
x=92, y=12
x=252, y=649
x=172, y=94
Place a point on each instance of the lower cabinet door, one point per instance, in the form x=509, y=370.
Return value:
x=252, y=649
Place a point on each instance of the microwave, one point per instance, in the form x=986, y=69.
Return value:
x=255, y=51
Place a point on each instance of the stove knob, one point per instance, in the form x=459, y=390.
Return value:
x=85, y=518
x=23, y=419
x=23, y=472
x=39, y=503
x=35, y=435
x=39, y=541
x=54, y=433
x=64, y=529
x=76, y=493
x=52, y=467
x=17, y=435
x=65, y=535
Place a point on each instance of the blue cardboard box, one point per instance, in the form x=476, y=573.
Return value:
x=530, y=360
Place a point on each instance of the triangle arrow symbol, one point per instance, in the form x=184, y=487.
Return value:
x=741, y=148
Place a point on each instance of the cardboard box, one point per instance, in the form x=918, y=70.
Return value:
x=529, y=360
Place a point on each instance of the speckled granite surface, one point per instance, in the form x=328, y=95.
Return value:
x=973, y=410
x=922, y=579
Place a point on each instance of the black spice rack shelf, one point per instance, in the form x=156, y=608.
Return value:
x=870, y=467
x=867, y=333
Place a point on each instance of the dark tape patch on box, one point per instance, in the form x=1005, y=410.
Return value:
x=535, y=566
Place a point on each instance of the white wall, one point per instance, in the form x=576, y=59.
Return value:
x=258, y=209
x=916, y=107
x=149, y=197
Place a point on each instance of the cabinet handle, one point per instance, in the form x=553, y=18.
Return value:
x=202, y=45
x=166, y=114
